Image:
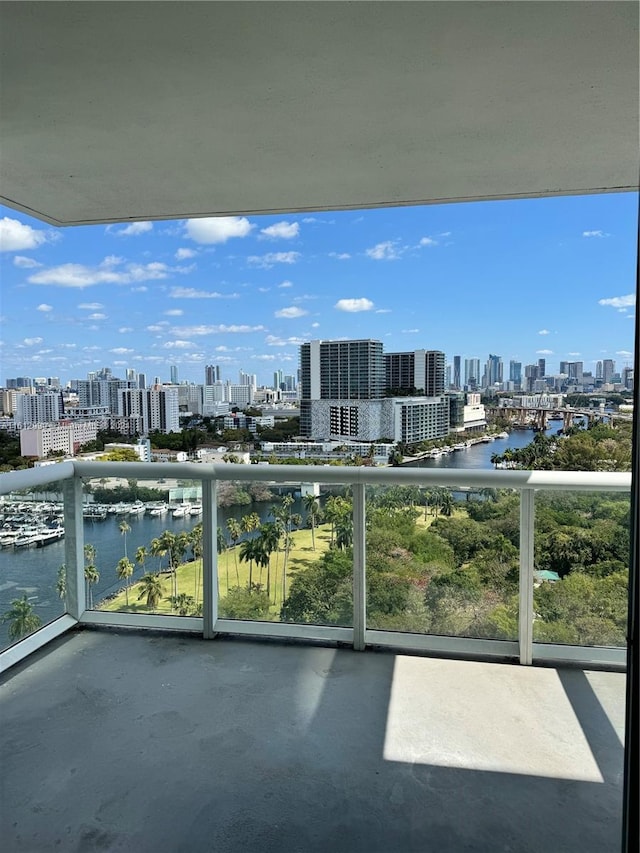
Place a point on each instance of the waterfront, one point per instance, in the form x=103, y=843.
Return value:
x=33, y=571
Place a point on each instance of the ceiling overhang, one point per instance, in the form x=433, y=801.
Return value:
x=140, y=110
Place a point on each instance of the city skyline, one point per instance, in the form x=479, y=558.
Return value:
x=527, y=279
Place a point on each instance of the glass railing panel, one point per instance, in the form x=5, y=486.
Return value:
x=283, y=553
x=143, y=545
x=443, y=561
x=581, y=574
x=32, y=573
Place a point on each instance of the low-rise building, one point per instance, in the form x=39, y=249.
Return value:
x=62, y=437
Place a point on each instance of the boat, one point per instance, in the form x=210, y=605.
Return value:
x=158, y=510
x=181, y=511
x=137, y=508
x=46, y=537
x=195, y=509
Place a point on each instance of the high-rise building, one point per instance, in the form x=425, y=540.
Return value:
x=37, y=408
x=174, y=374
x=608, y=370
x=493, y=371
x=211, y=374
x=542, y=367
x=515, y=373
x=599, y=370
x=142, y=380
x=456, y=379
x=342, y=370
x=575, y=371
x=278, y=380
x=131, y=375
x=564, y=367
x=418, y=372
x=472, y=373
x=158, y=408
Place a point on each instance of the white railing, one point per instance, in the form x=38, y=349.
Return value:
x=525, y=482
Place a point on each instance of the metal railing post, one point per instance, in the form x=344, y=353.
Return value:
x=209, y=557
x=525, y=622
x=76, y=593
x=359, y=567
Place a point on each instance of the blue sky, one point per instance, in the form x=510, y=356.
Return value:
x=551, y=278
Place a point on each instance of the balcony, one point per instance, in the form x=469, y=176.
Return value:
x=285, y=736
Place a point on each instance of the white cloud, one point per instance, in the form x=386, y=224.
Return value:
x=124, y=329
x=383, y=311
x=594, y=234
x=217, y=229
x=132, y=230
x=25, y=263
x=174, y=312
x=574, y=353
x=97, y=317
x=544, y=332
x=291, y=313
x=120, y=350
x=354, y=305
x=80, y=276
x=315, y=325
x=286, y=284
x=410, y=331
x=15, y=236
x=185, y=254
x=340, y=256
x=386, y=251
x=271, y=258
x=178, y=345
x=30, y=342
x=627, y=301
x=155, y=328
x=44, y=308
x=192, y=293
x=91, y=306
x=142, y=289
x=428, y=241
x=544, y=352
x=190, y=331
x=624, y=353
x=281, y=231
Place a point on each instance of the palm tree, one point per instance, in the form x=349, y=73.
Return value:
x=195, y=540
x=157, y=549
x=151, y=586
x=221, y=547
x=61, y=582
x=22, y=620
x=168, y=542
x=183, y=603
x=270, y=535
x=446, y=504
x=124, y=528
x=234, y=533
x=124, y=571
x=91, y=576
x=247, y=555
x=311, y=505
x=250, y=522
x=141, y=556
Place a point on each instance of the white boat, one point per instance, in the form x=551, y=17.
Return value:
x=196, y=509
x=137, y=508
x=157, y=511
x=181, y=511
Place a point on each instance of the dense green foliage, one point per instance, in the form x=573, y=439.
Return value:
x=10, y=458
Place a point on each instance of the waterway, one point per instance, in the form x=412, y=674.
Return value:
x=33, y=571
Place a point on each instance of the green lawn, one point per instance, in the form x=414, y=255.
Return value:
x=189, y=576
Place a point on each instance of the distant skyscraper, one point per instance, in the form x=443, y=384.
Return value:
x=493, y=371
x=542, y=366
x=421, y=371
x=608, y=369
x=599, y=370
x=211, y=374
x=174, y=374
x=515, y=372
x=472, y=373
x=564, y=367
x=456, y=373
x=142, y=380
x=131, y=375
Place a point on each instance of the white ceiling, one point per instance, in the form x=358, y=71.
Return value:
x=141, y=110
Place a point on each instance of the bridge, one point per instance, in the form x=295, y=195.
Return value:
x=538, y=417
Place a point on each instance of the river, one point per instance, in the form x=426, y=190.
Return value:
x=33, y=571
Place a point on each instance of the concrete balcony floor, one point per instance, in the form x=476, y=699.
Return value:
x=139, y=742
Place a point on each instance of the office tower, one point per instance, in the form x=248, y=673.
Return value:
x=278, y=380
x=574, y=371
x=472, y=372
x=456, y=379
x=420, y=371
x=174, y=374
x=493, y=371
x=515, y=372
x=599, y=370
x=142, y=380
x=249, y=379
x=211, y=374
x=542, y=366
x=608, y=370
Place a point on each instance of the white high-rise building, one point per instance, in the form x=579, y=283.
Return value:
x=37, y=408
x=158, y=408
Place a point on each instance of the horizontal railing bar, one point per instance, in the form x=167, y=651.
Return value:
x=557, y=652
x=440, y=644
x=291, y=630
x=142, y=620
x=333, y=474
x=13, y=481
x=27, y=646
